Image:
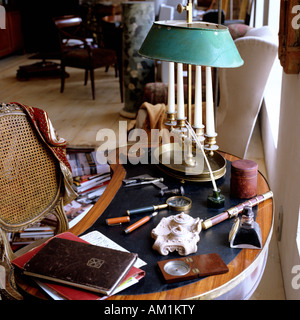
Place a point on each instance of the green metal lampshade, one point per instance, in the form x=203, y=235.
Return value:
x=197, y=43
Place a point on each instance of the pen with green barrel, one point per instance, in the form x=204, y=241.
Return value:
x=146, y=209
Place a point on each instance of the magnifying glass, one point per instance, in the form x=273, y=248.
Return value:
x=177, y=203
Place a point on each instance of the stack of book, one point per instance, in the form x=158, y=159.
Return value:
x=90, y=188
x=91, y=174
x=75, y=211
x=69, y=267
x=35, y=232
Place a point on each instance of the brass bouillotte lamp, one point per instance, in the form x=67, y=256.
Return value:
x=204, y=45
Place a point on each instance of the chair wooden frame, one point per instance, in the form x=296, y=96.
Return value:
x=30, y=177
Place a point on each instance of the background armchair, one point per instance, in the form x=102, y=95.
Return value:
x=242, y=89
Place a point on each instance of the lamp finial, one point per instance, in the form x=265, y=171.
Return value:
x=189, y=10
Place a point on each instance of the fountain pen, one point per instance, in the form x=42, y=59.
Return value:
x=140, y=222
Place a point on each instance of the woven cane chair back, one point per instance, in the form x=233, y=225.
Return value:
x=30, y=178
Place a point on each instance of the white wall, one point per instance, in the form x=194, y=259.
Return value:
x=283, y=166
x=282, y=157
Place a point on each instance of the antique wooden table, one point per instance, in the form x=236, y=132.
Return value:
x=246, y=266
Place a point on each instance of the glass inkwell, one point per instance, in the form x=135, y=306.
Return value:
x=245, y=232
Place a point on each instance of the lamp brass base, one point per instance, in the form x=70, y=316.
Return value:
x=167, y=157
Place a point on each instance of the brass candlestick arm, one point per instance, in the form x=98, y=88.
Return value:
x=210, y=144
x=171, y=121
x=200, y=133
x=181, y=126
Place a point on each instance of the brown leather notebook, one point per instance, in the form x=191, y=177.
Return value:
x=82, y=265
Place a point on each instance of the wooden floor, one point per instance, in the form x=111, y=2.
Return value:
x=78, y=118
x=74, y=114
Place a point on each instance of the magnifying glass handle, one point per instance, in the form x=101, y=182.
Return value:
x=140, y=210
x=146, y=209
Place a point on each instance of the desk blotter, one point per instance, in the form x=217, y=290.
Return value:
x=213, y=240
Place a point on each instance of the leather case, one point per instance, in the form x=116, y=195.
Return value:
x=192, y=267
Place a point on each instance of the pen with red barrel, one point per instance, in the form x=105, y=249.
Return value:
x=140, y=222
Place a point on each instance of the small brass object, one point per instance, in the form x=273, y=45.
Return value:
x=179, y=203
x=196, y=270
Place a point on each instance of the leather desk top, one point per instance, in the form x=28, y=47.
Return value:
x=213, y=240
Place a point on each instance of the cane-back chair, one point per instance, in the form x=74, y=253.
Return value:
x=30, y=177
